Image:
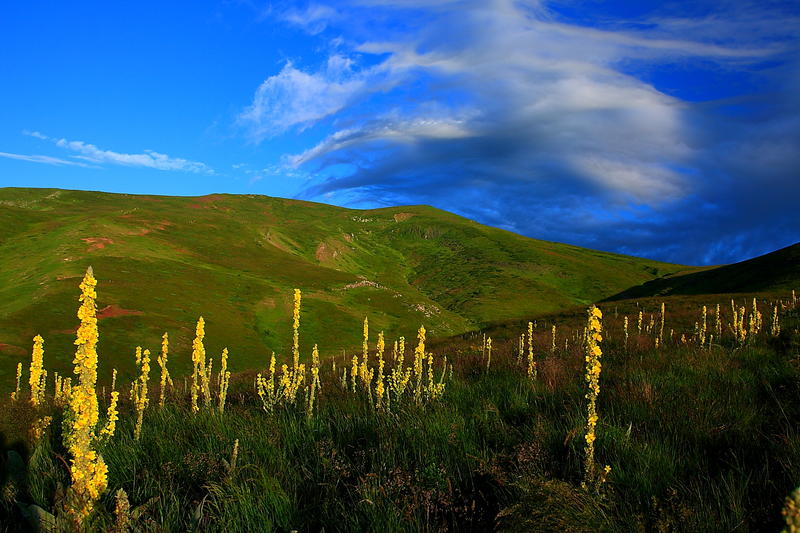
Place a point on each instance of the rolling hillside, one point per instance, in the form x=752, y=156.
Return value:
x=778, y=270
x=163, y=261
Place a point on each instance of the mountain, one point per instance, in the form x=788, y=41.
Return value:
x=161, y=262
x=775, y=271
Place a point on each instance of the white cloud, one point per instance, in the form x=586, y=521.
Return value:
x=148, y=159
x=294, y=98
x=35, y=134
x=45, y=159
x=555, y=86
x=388, y=129
x=314, y=19
x=508, y=111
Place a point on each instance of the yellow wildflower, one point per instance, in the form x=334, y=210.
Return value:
x=37, y=356
x=198, y=361
x=88, y=470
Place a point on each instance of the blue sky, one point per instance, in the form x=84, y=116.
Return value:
x=664, y=129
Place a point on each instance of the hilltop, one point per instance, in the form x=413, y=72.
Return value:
x=161, y=262
x=775, y=271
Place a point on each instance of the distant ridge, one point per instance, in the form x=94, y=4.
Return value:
x=778, y=270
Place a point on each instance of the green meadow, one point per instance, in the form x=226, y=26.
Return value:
x=697, y=423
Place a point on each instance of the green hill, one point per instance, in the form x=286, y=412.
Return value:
x=775, y=271
x=161, y=262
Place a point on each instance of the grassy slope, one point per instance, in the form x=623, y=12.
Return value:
x=778, y=270
x=235, y=259
x=699, y=440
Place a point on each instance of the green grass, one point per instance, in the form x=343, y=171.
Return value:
x=698, y=440
x=235, y=260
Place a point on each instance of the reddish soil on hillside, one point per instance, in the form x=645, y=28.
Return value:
x=97, y=243
x=113, y=310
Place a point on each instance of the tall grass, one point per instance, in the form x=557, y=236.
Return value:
x=700, y=436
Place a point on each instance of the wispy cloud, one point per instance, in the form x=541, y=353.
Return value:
x=314, y=18
x=294, y=98
x=148, y=159
x=516, y=115
x=45, y=159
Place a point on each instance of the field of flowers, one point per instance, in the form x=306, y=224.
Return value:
x=677, y=414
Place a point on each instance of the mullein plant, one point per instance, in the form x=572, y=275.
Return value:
x=353, y=374
x=122, y=512
x=266, y=388
x=88, y=471
x=775, y=329
x=400, y=376
x=296, y=330
x=291, y=382
x=531, y=362
x=112, y=414
x=138, y=361
x=39, y=427
x=56, y=387
x=198, y=362
x=63, y=388
x=379, y=382
x=291, y=379
x=625, y=327
x=435, y=390
x=206, y=382
x=756, y=319
x=38, y=376
x=315, y=383
x=593, y=478
x=224, y=380
x=702, y=328
x=140, y=393
x=364, y=372
x=165, y=377
x=741, y=330
x=419, y=355
x=489, y=352
x=791, y=512
x=15, y=394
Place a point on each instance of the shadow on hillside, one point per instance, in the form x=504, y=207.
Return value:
x=776, y=270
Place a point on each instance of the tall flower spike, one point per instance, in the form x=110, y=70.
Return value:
x=531, y=362
x=15, y=394
x=87, y=469
x=314, y=380
x=419, y=355
x=35, y=378
x=141, y=396
x=198, y=362
x=224, y=380
x=593, y=368
x=296, y=330
x=162, y=362
x=365, y=353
